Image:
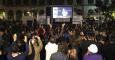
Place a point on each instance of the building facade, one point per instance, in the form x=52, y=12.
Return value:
x=17, y=9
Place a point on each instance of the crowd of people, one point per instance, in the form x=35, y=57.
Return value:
x=60, y=41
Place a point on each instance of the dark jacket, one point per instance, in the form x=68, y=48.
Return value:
x=21, y=56
x=109, y=52
x=58, y=56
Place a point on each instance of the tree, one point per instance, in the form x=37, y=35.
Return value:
x=105, y=7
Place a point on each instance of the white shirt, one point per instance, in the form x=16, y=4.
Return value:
x=50, y=49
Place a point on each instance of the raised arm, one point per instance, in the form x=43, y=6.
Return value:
x=51, y=32
x=30, y=48
x=62, y=29
x=39, y=42
x=27, y=48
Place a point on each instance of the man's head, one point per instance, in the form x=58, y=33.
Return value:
x=52, y=40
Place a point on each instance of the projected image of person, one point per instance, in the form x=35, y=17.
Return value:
x=64, y=12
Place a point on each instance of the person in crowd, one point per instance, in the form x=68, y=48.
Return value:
x=73, y=52
x=51, y=47
x=85, y=43
x=57, y=31
x=35, y=47
x=62, y=53
x=41, y=31
x=72, y=33
x=82, y=36
x=1, y=34
x=2, y=51
x=14, y=38
x=89, y=32
x=92, y=53
x=66, y=36
x=15, y=54
x=109, y=50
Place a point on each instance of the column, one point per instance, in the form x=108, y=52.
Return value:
x=110, y=1
x=14, y=12
x=94, y=2
x=74, y=2
x=37, y=15
x=0, y=2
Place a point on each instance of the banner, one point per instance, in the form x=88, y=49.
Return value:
x=77, y=19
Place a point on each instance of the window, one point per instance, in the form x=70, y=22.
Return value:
x=18, y=15
x=4, y=2
x=49, y=2
x=53, y=2
x=90, y=11
x=17, y=2
x=41, y=12
x=90, y=1
x=70, y=2
x=10, y=15
x=57, y=2
x=106, y=2
x=27, y=12
x=34, y=13
x=113, y=2
x=26, y=2
x=79, y=11
x=79, y=2
x=10, y=2
x=98, y=3
x=34, y=2
x=41, y=2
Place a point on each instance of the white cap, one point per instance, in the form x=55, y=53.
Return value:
x=93, y=48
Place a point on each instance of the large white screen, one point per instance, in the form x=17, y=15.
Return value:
x=62, y=12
